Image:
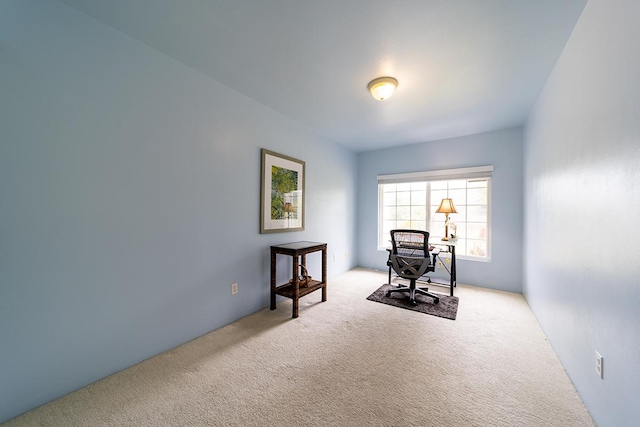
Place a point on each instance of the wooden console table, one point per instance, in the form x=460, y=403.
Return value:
x=293, y=290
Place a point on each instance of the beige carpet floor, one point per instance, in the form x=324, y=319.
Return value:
x=344, y=362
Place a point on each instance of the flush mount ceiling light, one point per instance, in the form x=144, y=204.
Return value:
x=382, y=87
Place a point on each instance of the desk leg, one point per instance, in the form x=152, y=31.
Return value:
x=296, y=286
x=453, y=279
x=273, y=280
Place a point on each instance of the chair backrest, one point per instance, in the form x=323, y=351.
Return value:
x=410, y=243
x=410, y=267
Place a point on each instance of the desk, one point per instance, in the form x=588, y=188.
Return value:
x=451, y=248
x=299, y=251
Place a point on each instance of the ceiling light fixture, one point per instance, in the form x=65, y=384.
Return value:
x=382, y=87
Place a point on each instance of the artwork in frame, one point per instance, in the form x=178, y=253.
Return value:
x=281, y=193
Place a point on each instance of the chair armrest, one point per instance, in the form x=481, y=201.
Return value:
x=434, y=254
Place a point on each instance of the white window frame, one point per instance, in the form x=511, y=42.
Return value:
x=470, y=173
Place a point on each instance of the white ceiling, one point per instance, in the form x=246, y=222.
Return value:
x=463, y=66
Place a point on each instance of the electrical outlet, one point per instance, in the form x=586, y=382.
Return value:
x=334, y=257
x=346, y=255
x=234, y=288
x=599, y=365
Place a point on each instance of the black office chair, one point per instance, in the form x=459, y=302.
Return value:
x=410, y=259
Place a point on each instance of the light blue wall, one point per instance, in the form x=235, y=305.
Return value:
x=503, y=149
x=582, y=204
x=129, y=202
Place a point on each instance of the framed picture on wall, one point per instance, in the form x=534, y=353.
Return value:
x=282, y=193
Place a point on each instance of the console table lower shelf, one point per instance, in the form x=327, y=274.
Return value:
x=293, y=289
x=288, y=290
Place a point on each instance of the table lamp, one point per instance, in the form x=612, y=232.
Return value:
x=446, y=207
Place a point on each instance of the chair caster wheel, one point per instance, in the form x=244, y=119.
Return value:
x=437, y=300
x=388, y=294
x=413, y=302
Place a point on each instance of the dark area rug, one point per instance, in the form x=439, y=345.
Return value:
x=447, y=307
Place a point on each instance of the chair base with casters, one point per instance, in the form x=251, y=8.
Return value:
x=413, y=290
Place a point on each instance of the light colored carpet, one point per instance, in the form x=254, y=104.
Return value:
x=345, y=362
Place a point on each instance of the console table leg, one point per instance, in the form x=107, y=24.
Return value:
x=324, y=275
x=296, y=286
x=273, y=280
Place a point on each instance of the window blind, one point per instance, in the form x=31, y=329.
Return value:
x=475, y=172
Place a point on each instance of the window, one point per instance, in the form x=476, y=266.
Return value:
x=411, y=201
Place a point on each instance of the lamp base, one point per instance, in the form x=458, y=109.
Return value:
x=444, y=239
